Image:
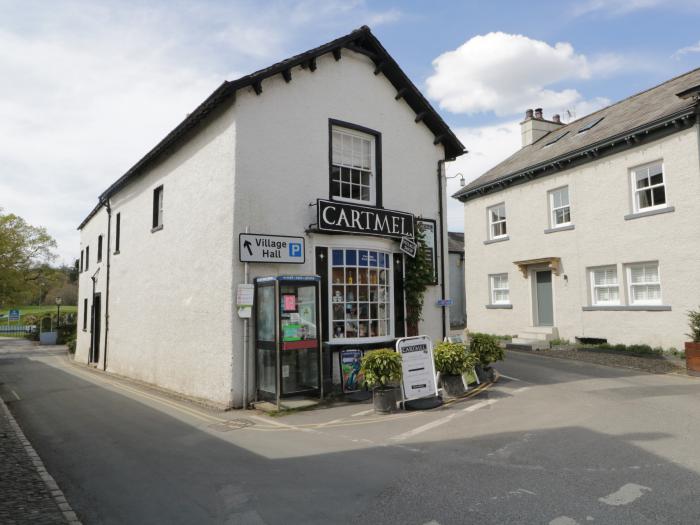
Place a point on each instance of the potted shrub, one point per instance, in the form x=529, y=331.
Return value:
x=452, y=360
x=382, y=372
x=486, y=348
x=692, y=348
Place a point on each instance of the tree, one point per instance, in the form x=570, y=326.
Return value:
x=25, y=252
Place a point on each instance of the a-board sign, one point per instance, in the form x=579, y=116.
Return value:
x=263, y=248
x=13, y=315
x=418, y=367
x=408, y=246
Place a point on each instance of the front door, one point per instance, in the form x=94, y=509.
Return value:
x=96, y=327
x=543, y=298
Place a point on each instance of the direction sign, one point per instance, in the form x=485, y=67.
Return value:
x=14, y=315
x=408, y=246
x=418, y=367
x=256, y=247
x=445, y=302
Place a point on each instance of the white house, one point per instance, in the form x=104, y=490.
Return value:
x=335, y=147
x=591, y=229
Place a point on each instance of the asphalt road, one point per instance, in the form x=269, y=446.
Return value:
x=556, y=442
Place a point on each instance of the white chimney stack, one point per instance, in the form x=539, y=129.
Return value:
x=534, y=127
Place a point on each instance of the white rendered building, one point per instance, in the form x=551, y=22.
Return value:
x=591, y=230
x=335, y=146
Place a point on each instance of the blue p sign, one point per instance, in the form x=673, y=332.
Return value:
x=295, y=249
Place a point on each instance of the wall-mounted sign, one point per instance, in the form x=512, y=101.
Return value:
x=427, y=226
x=244, y=300
x=408, y=246
x=445, y=302
x=418, y=367
x=255, y=247
x=335, y=216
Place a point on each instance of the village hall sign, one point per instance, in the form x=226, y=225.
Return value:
x=335, y=216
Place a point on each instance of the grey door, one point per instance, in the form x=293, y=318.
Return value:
x=543, y=291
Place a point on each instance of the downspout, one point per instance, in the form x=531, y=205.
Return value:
x=440, y=168
x=109, y=252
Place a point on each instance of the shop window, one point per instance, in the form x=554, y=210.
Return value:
x=353, y=166
x=361, y=295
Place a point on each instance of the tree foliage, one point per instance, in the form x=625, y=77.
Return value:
x=419, y=274
x=25, y=253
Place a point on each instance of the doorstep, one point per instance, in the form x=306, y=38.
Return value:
x=287, y=404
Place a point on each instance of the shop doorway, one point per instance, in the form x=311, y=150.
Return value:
x=96, y=327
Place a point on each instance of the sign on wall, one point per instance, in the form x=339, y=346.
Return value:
x=335, y=216
x=418, y=367
x=429, y=230
x=13, y=315
x=256, y=247
x=408, y=246
x=244, y=300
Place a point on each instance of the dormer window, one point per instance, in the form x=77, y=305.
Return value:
x=353, y=165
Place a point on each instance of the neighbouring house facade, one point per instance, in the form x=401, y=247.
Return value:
x=591, y=229
x=458, y=308
x=334, y=147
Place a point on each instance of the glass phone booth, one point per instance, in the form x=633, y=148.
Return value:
x=287, y=337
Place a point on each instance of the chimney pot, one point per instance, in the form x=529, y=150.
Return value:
x=538, y=113
x=528, y=114
x=556, y=118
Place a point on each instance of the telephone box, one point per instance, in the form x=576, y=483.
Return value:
x=287, y=337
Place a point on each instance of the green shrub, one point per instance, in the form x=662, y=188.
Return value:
x=694, y=324
x=381, y=367
x=453, y=358
x=559, y=342
x=486, y=348
x=640, y=349
x=66, y=333
x=620, y=348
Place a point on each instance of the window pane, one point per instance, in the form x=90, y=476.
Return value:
x=366, y=154
x=335, y=189
x=644, y=198
x=347, y=150
x=335, y=173
x=336, y=140
x=345, y=191
x=351, y=257
x=657, y=179
x=355, y=192
x=642, y=180
x=659, y=195
x=363, y=258
x=564, y=196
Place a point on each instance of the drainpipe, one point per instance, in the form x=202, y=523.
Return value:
x=109, y=253
x=440, y=169
x=93, y=278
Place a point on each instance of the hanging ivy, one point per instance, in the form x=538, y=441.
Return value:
x=419, y=274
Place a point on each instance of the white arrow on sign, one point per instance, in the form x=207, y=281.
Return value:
x=256, y=247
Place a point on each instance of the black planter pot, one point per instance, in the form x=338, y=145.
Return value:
x=453, y=385
x=384, y=399
x=480, y=373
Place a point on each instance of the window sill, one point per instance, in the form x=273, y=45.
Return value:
x=568, y=227
x=157, y=229
x=360, y=340
x=499, y=306
x=84, y=329
x=640, y=214
x=500, y=239
x=629, y=308
x=116, y=253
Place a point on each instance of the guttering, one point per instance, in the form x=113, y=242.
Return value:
x=582, y=155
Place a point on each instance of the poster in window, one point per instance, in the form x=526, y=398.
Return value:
x=350, y=363
x=428, y=228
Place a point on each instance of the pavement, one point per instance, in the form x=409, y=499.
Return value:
x=555, y=441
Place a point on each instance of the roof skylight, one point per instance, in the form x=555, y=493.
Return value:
x=590, y=125
x=557, y=138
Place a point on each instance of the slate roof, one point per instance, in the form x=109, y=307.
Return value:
x=455, y=242
x=361, y=41
x=619, y=121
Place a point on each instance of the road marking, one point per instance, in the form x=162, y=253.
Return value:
x=480, y=404
x=363, y=413
x=508, y=377
x=521, y=389
x=625, y=495
x=424, y=428
x=15, y=394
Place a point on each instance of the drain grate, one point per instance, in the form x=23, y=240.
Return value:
x=232, y=424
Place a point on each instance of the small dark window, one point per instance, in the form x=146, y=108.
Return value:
x=87, y=258
x=158, y=207
x=85, y=314
x=81, y=260
x=590, y=125
x=99, y=248
x=117, y=233
x=556, y=139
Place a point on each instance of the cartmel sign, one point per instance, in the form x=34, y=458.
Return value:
x=418, y=367
x=255, y=247
x=334, y=216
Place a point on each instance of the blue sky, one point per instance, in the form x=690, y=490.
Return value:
x=89, y=87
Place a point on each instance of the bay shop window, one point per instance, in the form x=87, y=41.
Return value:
x=360, y=295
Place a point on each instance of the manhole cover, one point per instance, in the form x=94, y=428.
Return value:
x=232, y=424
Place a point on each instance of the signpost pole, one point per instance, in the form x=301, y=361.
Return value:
x=245, y=343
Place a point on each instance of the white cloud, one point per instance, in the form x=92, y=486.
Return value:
x=615, y=7
x=507, y=74
x=89, y=88
x=487, y=145
x=686, y=51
